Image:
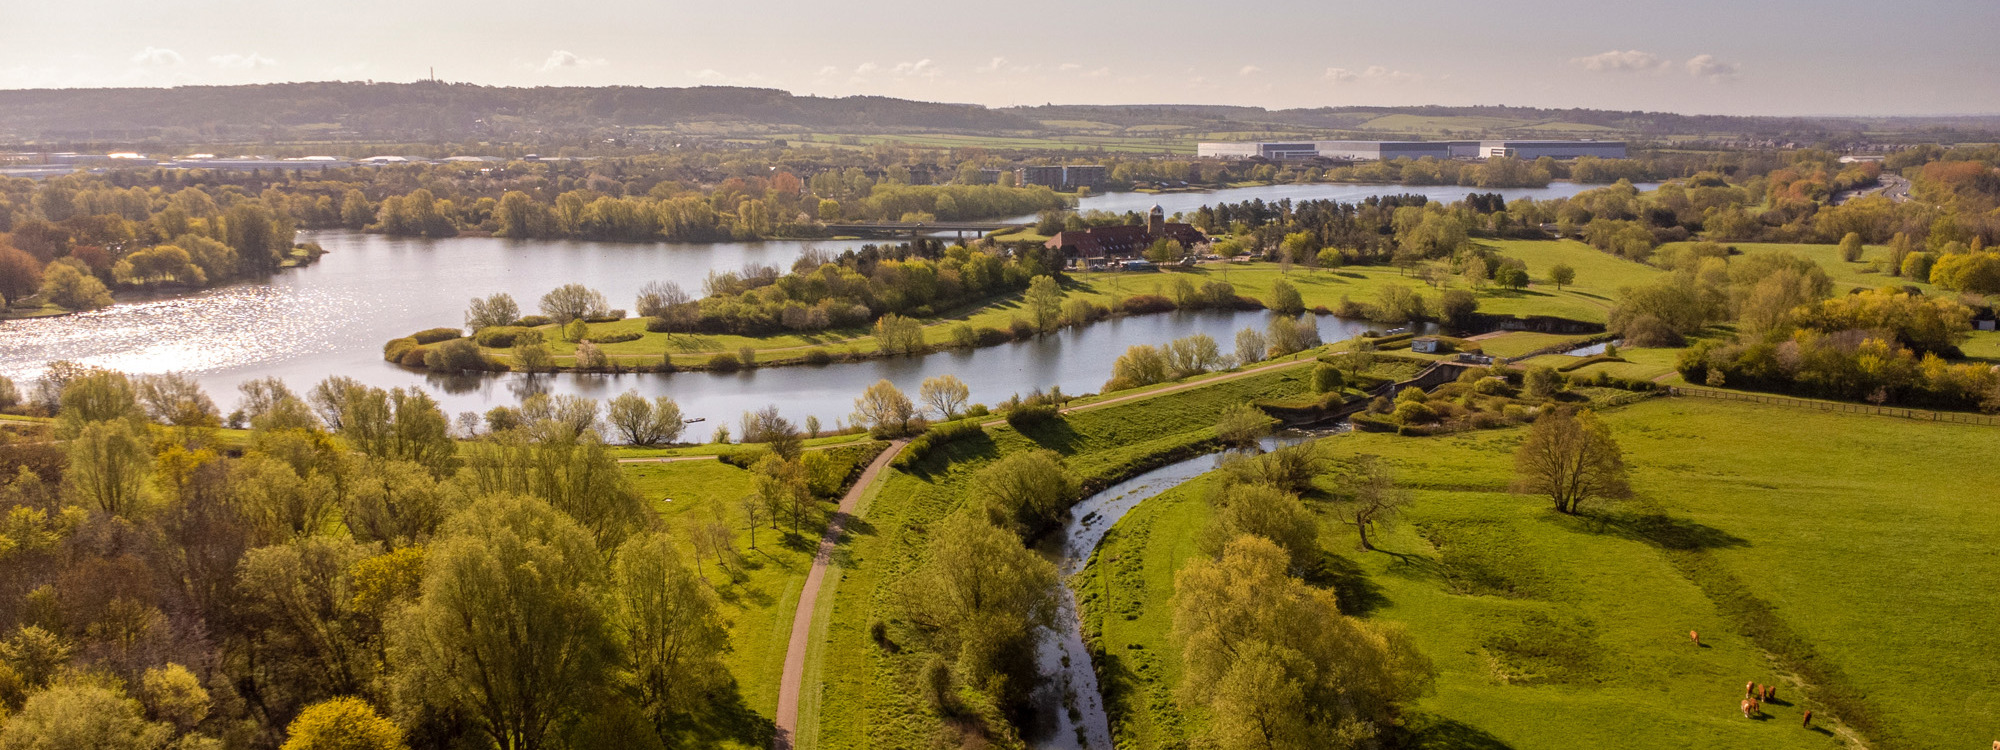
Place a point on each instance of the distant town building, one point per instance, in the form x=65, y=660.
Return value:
x=1125, y=241
x=1382, y=150
x=1065, y=177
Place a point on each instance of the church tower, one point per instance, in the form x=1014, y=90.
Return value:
x=1156, y=222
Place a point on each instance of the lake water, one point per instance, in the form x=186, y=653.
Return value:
x=332, y=318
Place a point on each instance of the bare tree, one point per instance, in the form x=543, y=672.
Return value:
x=944, y=394
x=1570, y=457
x=1377, y=501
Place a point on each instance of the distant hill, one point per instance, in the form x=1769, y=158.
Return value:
x=432, y=111
x=429, y=110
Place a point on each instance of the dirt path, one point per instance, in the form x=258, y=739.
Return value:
x=790, y=687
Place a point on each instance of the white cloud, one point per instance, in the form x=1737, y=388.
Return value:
x=1706, y=66
x=1370, y=74
x=921, y=68
x=707, y=74
x=1249, y=70
x=866, y=68
x=996, y=64
x=250, y=61
x=1066, y=67
x=827, y=70
x=1098, y=73
x=562, y=58
x=157, y=56
x=1628, y=61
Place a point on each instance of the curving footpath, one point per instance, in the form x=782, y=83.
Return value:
x=795, y=651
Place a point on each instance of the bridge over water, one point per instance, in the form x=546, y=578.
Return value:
x=915, y=229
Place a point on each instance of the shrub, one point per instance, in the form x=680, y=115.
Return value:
x=659, y=325
x=994, y=336
x=747, y=356
x=1372, y=423
x=938, y=435
x=1414, y=412
x=818, y=357
x=611, y=316
x=1021, y=328
x=434, y=335
x=534, y=321
x=397, y=348
x=724, y=362
x=1326, y=378
x=414, y=357
x=1027, y=415
x=1142, y=304
x=617, y=338
x=455, y=355
x=497, y=337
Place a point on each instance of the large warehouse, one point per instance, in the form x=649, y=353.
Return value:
x=1381, y=150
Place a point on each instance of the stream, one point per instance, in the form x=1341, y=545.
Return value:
x=1069, y=704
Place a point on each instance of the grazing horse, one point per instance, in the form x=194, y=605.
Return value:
x=1694, y=637
x=1808, y=721
x=1748, y=705
x=1750, y=689
x=1770, y=691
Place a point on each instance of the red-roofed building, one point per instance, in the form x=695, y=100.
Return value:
x=1126, y=241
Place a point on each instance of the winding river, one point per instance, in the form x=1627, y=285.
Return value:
x=331, y=318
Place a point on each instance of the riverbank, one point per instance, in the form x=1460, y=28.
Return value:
x=1552, y=631
x=629, y=346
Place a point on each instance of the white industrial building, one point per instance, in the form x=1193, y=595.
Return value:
x=1383, y=150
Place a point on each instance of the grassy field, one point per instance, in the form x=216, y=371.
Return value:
x=1872, y=579
x=759, y=595
x=871, y=693
x=1856, y=275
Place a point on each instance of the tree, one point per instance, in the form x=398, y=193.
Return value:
x=1326, y=378
x=174, y=695
x=1266, y=511
x=642, y=422
x=174, y=398
x=1251, y=346
x=1331, y=258
x=899, y=335
x=573, y=301
x=1192, y=354
x=884, y=409
x=509, y=630
x=343, y=723
x=1044, y=300
x=945, y=395
x=1541, y=381
x=108, y=464
x=783, y=489
x=659, y=299
x=1274, y=661
x=1850, y=247
x=531, y=353
x=670, y=623
x=1458, y=309
x=1570, y=457
x=1374, y=498
x=82, y=714
x=1561, y=274
x=1029, y=488
x=497, y=310
x=983, y=599
x=20, y=273
x=776, y=432
x=63, y=285
x=1285, y=299
x=1141, y=364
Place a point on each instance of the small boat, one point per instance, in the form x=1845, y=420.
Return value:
x=696, y=419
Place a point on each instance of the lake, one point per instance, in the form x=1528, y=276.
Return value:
x=332, y=318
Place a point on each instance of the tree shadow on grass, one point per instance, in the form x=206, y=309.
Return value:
x=1352, y=589
x=1433, y=732
x=726, y=717
x=1055, y=435
x=1120, y=686
x=1654, y=528
x=843, y=551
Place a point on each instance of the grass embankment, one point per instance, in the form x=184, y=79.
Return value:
x=1599, y=277
x=759, y=595
x=873, y=692
x=1862, y=565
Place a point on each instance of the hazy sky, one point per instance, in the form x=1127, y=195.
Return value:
x=1695, y=56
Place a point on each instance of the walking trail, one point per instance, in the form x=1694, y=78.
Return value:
x=795, y=650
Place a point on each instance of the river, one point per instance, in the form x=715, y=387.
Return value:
x=332, y=318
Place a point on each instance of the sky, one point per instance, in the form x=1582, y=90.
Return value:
x=1762, y=57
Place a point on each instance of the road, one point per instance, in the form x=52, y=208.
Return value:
x=1894, y=187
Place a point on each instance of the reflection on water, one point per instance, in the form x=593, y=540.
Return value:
x=332, y=318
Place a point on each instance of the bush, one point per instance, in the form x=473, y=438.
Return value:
x=534, y=321
x=395, y=350
x=1372, y=423
x=1326, y=378
x=434, y=335
x=659, y=325
x=818, y=357
x=994, y=336
x=414, y=357
x=497, y=337
x=1142, y=304
x=938, y=435
x=1028, y=415
x=612, y=316
x=724, y=362
x=1021, y=328
x=1414, y=412
x=455, y=355
x=617, y=338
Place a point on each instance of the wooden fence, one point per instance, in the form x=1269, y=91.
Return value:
x=1888, y=411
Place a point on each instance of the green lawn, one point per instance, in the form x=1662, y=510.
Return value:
x=759, y=598
x=871, y=694
x=1749, y=525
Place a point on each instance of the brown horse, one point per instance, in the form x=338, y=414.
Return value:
x=1770, y=691
x=1748, y=705
x=1808, y=721
x=1694, y=637
x=1750, y=689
